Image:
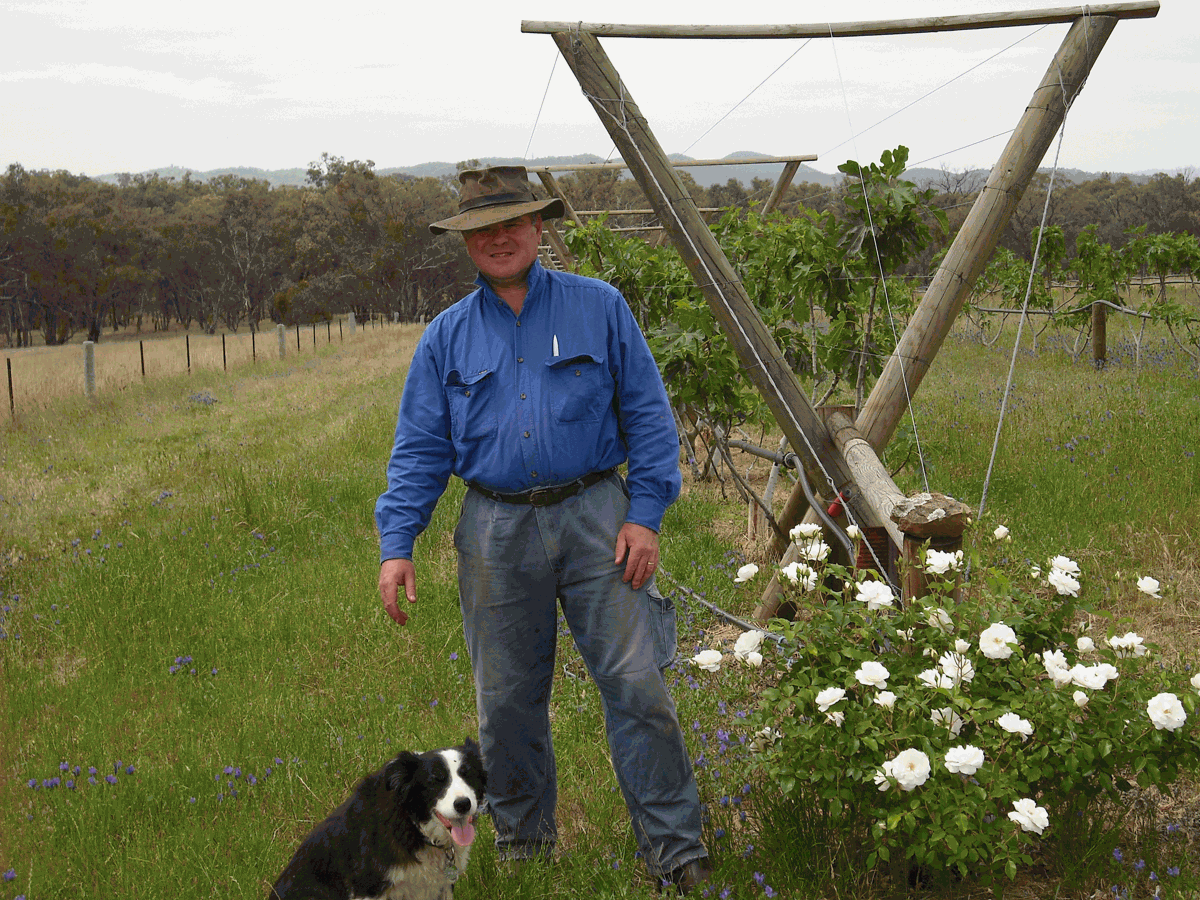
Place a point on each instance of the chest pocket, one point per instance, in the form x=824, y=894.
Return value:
x=472, y=402
x=580, y=388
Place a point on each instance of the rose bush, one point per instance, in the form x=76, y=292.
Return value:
x=955, y=736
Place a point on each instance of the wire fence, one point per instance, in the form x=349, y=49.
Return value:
x=35, y=376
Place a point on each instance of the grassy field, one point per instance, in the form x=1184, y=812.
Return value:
x=196, y=666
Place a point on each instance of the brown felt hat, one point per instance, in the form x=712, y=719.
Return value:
x=492, y=195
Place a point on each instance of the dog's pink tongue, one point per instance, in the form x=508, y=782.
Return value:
x=463, y=833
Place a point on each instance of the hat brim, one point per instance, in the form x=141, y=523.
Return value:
x=491, y=215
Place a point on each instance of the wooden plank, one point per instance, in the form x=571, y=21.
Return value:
x=1139, y=9
x=678, y=163
x=552, y=188
x=781, y=186
x=979, y=234
x=560, y=248
x=760, y=355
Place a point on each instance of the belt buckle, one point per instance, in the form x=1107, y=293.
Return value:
x=543, y=496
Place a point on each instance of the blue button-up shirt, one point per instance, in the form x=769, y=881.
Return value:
x=513, y=402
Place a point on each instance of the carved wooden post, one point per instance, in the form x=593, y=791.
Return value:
x=931, y=517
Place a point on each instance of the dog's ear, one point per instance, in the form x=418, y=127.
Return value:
x=470, y=746
x=399, y=772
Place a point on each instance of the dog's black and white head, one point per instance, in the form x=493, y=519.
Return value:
x=441, y=790
x=405, y=833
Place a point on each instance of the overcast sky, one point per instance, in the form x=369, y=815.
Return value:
x=100, y=86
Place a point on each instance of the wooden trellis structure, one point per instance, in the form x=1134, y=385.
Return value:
x=791, y=164
x=808, y=434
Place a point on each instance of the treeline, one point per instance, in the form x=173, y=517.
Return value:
x=78, y=255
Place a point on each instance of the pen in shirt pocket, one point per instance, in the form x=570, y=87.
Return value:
x=556, y=345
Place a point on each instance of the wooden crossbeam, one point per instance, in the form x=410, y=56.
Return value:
x=1138, y=9
x=677, y=163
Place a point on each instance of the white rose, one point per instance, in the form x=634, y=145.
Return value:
x=957, y=667
x=1080, y=698
x=964, y=760
x=1148, y=585
x=911, y=769
x=940, y=563
x=1029, y=816
x=1063, y=564
x=1128, y=644
x=1090, y=677
x=708, y=660
x=1064, y=583
x=872, y=674
x=886, y=699
x=961, y=646
x=995, y=641
x=745, y=573
x=1014, y=724
x=1166, y=712
x=814, y=550
x=875, y=594
x=1196, y=681
x=828, y=697
x=1001, y=533
x=804, y=531
x=936, y=679
x=854, y=532
x=748, y=642
x=800, y=574
x=1085, y=644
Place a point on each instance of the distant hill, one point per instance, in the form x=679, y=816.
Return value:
x=741, y=170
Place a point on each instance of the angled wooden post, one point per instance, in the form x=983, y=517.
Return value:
x=970, y=250
x=785, y=181
x=761, y=357
x=977, y=239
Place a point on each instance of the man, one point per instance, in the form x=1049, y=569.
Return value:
x=534, y=389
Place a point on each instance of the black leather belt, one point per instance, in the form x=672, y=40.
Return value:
x=545, y=496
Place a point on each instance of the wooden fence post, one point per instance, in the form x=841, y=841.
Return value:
x=1099, y=335
x=89, y=369
x=280, y=332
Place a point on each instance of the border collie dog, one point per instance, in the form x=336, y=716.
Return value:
x=404, y=834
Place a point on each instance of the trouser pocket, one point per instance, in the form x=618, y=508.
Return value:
x=662, y=622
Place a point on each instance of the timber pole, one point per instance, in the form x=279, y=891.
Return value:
x=763, y=361
x=981, y=231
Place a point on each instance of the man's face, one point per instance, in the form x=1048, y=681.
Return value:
x=504, y=252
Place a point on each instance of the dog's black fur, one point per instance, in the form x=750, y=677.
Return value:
x=388, y=840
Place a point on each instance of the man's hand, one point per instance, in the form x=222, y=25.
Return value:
x=637, y=546
x=393, y=574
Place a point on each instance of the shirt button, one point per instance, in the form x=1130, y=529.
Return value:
x=533, y=474
x=520, y=359
x=527, y=434
x=466, y=393
x=518, y=323
x=522, y=396
x=576, y=373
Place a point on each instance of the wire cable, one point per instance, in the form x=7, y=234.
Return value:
x=747, y=97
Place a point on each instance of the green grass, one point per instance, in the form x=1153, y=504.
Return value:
x=228, y=519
